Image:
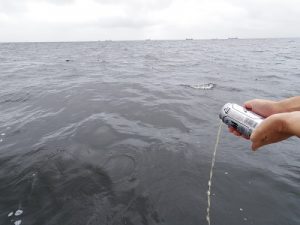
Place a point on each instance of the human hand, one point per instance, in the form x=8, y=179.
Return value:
x=261, y=107
x=273, y=129
x=282, y=121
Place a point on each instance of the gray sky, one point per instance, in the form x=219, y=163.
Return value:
x=84, y=20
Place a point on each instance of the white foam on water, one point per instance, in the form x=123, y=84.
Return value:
x=18, y=222
x=207, y=86
x=211, y=174
x=3, y=134
x=1, y=140
x=18, y=212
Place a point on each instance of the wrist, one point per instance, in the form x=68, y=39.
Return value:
x=292, y=123
x=288, y=105
x=279, y=107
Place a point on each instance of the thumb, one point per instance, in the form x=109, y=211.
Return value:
x=248, y=105
x=255, y=146
x=254, y=138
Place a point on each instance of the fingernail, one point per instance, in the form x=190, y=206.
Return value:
x=247, y=106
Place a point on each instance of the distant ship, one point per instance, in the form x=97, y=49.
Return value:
x=189, y=39
x=232, y=38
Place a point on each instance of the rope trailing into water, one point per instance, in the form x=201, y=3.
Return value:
x=211, y=173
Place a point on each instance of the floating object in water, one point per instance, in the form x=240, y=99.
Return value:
x=10, y=214
x=207, y=86
x=18, y=212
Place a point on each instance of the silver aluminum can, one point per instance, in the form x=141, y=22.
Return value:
x=238, y=117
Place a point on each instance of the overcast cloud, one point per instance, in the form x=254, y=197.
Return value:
x=83, y=20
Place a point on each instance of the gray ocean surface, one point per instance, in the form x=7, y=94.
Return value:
x=111, y=133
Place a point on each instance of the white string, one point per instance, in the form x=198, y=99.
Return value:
x=211, y=173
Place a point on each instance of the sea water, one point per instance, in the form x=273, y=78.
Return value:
x=114, y=133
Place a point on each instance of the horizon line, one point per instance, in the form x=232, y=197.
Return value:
x=149, y=39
